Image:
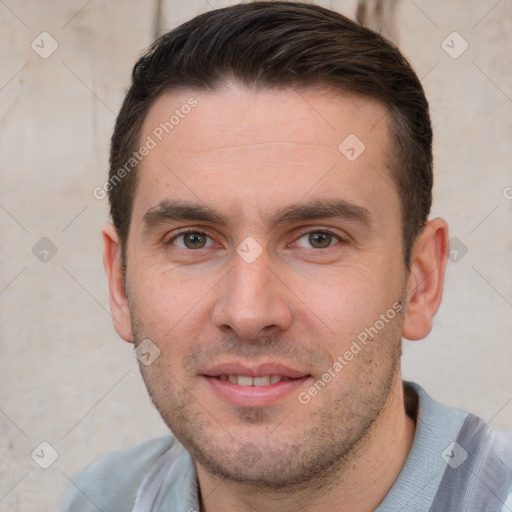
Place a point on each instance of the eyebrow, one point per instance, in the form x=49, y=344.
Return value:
x=167, y=211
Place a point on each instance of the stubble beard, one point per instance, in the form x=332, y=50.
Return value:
x=316, y=456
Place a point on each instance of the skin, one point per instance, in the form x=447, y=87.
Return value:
x=301, y=302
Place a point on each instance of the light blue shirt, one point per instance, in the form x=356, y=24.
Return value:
x=112, y=483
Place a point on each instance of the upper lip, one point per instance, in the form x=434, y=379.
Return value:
x=253, y=370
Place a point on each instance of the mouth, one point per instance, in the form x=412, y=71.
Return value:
x=254, y=386
x=247, y=380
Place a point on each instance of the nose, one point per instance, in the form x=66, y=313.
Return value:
x=253, y=301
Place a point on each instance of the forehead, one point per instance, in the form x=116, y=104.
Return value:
x=244, y=151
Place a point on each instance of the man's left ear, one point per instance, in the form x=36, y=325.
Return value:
x=425, y=282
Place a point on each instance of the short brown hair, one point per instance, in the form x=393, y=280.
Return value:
x=269, y=45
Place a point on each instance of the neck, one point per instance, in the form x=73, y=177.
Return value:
x=358, y=486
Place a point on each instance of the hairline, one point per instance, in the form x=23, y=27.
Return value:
x=393, y=119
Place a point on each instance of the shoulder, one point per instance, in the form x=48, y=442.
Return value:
x=111, y=483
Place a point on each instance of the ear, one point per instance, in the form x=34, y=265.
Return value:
x=425, y=281
x=118, y=300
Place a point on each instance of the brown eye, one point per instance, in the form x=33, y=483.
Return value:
x=191, y=240
x=318, y=239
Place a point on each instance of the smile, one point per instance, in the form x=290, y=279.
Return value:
x=247, y=380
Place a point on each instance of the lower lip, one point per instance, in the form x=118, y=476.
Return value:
x=255, y=396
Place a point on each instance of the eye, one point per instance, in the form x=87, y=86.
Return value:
x=318, y=239
x=191, y=240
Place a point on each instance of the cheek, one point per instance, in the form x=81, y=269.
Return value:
x=168, y=311
x=345, y=303
x=162, y=292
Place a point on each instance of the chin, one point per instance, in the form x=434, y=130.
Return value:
x=269, y=464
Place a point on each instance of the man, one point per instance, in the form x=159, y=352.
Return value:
x=270, y=186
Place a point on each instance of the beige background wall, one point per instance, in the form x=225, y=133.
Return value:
x=65, y=377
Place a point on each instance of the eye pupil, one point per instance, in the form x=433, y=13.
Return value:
x=324, y=239
x=197, y=240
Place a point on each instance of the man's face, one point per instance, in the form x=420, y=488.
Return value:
x=259, y=299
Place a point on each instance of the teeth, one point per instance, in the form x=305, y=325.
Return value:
x=246, y=380
x=260, y=381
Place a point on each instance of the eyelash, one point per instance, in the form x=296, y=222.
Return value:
x=198, y=232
